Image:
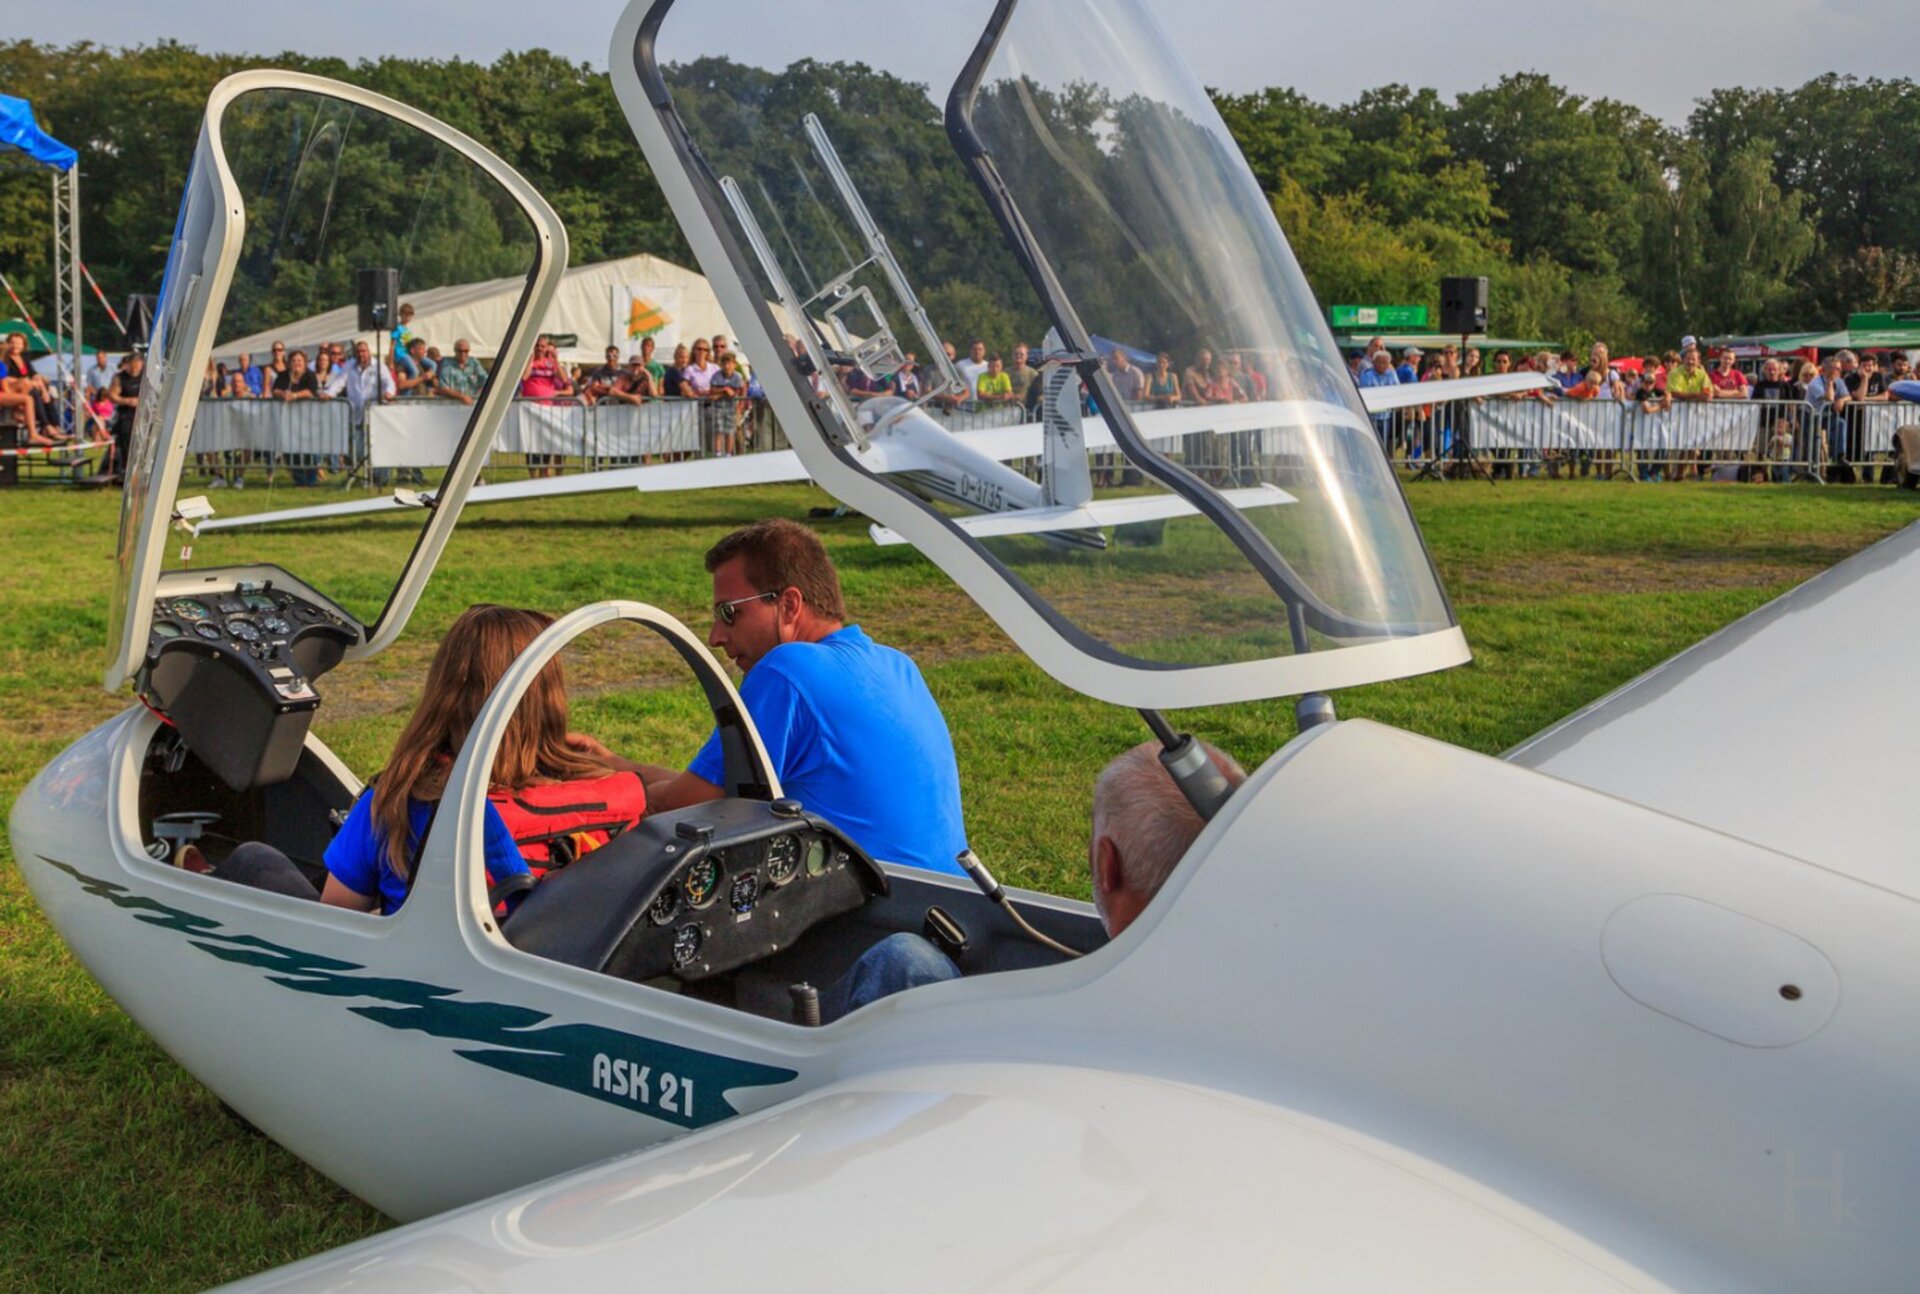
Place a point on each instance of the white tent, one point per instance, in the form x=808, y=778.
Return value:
x=614, y=303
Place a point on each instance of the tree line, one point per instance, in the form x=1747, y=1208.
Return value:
x=1768, y=210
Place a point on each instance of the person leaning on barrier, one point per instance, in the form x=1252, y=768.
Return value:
x=462, y=376
x=634, y=385
x=1142, y=827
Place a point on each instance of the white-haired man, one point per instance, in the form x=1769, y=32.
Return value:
x=1142, y=828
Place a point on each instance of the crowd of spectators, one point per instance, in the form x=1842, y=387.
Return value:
x=1813, y=413
x=710, y=371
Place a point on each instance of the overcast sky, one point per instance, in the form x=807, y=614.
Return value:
x=1657, y=54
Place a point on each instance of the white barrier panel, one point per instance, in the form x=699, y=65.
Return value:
x=416, y=433
x=1532, y=424
x=533, y=427
x=1722, y=425
x=269, y=427
x=658, y=427
x=1878, y=422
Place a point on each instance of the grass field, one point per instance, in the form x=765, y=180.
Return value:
x=118, y=1170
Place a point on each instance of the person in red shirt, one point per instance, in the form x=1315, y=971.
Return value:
x=1727, y=380
x=545, y=379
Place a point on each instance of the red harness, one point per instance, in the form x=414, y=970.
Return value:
x=557, y=822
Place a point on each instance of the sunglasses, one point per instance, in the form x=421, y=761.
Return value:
x=727, y=612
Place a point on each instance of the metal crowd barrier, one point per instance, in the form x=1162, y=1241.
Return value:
x=1781, y=440
x=1744, y=439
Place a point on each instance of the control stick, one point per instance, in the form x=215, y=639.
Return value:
x=991, y=888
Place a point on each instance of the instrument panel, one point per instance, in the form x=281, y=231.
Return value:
x=697, y=892
x=233, y=669
x=257, y=620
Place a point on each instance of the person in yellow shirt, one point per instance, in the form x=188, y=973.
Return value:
x=1690, y=381
x=996, y=384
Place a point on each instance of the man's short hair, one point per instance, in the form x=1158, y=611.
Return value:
x=1138, y=806
x=780, y=554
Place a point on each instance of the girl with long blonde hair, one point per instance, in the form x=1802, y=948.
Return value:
x=371, y=861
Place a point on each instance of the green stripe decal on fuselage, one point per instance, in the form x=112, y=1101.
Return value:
x=661, y=1079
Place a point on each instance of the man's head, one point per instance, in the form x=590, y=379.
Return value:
x=362, y=354
x=241, y=361
x=1142, y=826
x=1121, y=362
x=773, y=583
x=996, y=365
x=1020, y=354
x=978, y=352
x=462, y=350
x=1848, y=361
x=1726, y=360
x=1690, y=357
x=417, y=348
x=1382, y=361
x=613, y=357
x=1411, y=354
x=134, y=364
x=646, y=348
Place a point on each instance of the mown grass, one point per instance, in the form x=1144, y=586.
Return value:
x=117, y=1169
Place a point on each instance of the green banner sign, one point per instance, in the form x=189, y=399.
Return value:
x=1388, y=317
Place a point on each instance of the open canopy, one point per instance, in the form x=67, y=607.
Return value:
x=296, y=183
x=1067, y=175
x=20, y=133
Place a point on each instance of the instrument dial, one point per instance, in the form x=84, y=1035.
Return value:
x=166, y=629
x=665, y=907
x=260, y=602
x=703, y=882
x=244, y=631
x=211, y=632
x=189, y=609
x=686, y=945
x=783, y=859
x=744, y=890
x=816, y=857
x=275, y=625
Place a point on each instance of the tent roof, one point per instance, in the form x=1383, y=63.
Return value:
x=37, y=340
x=20, y=133
x=482, y=312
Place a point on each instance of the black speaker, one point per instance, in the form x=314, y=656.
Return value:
x=379, y=299
x=1463, y=306
x=140, y=308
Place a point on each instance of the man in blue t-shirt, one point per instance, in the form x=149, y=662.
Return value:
x=851, y=729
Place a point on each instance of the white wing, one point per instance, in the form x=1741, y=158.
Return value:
x=1099, y=513
x=1002, y=444
x=1384, y=399
x=704, y=474
x=1793, y=728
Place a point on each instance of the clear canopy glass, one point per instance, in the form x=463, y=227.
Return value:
x=1072, y=196
x=326, y=188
